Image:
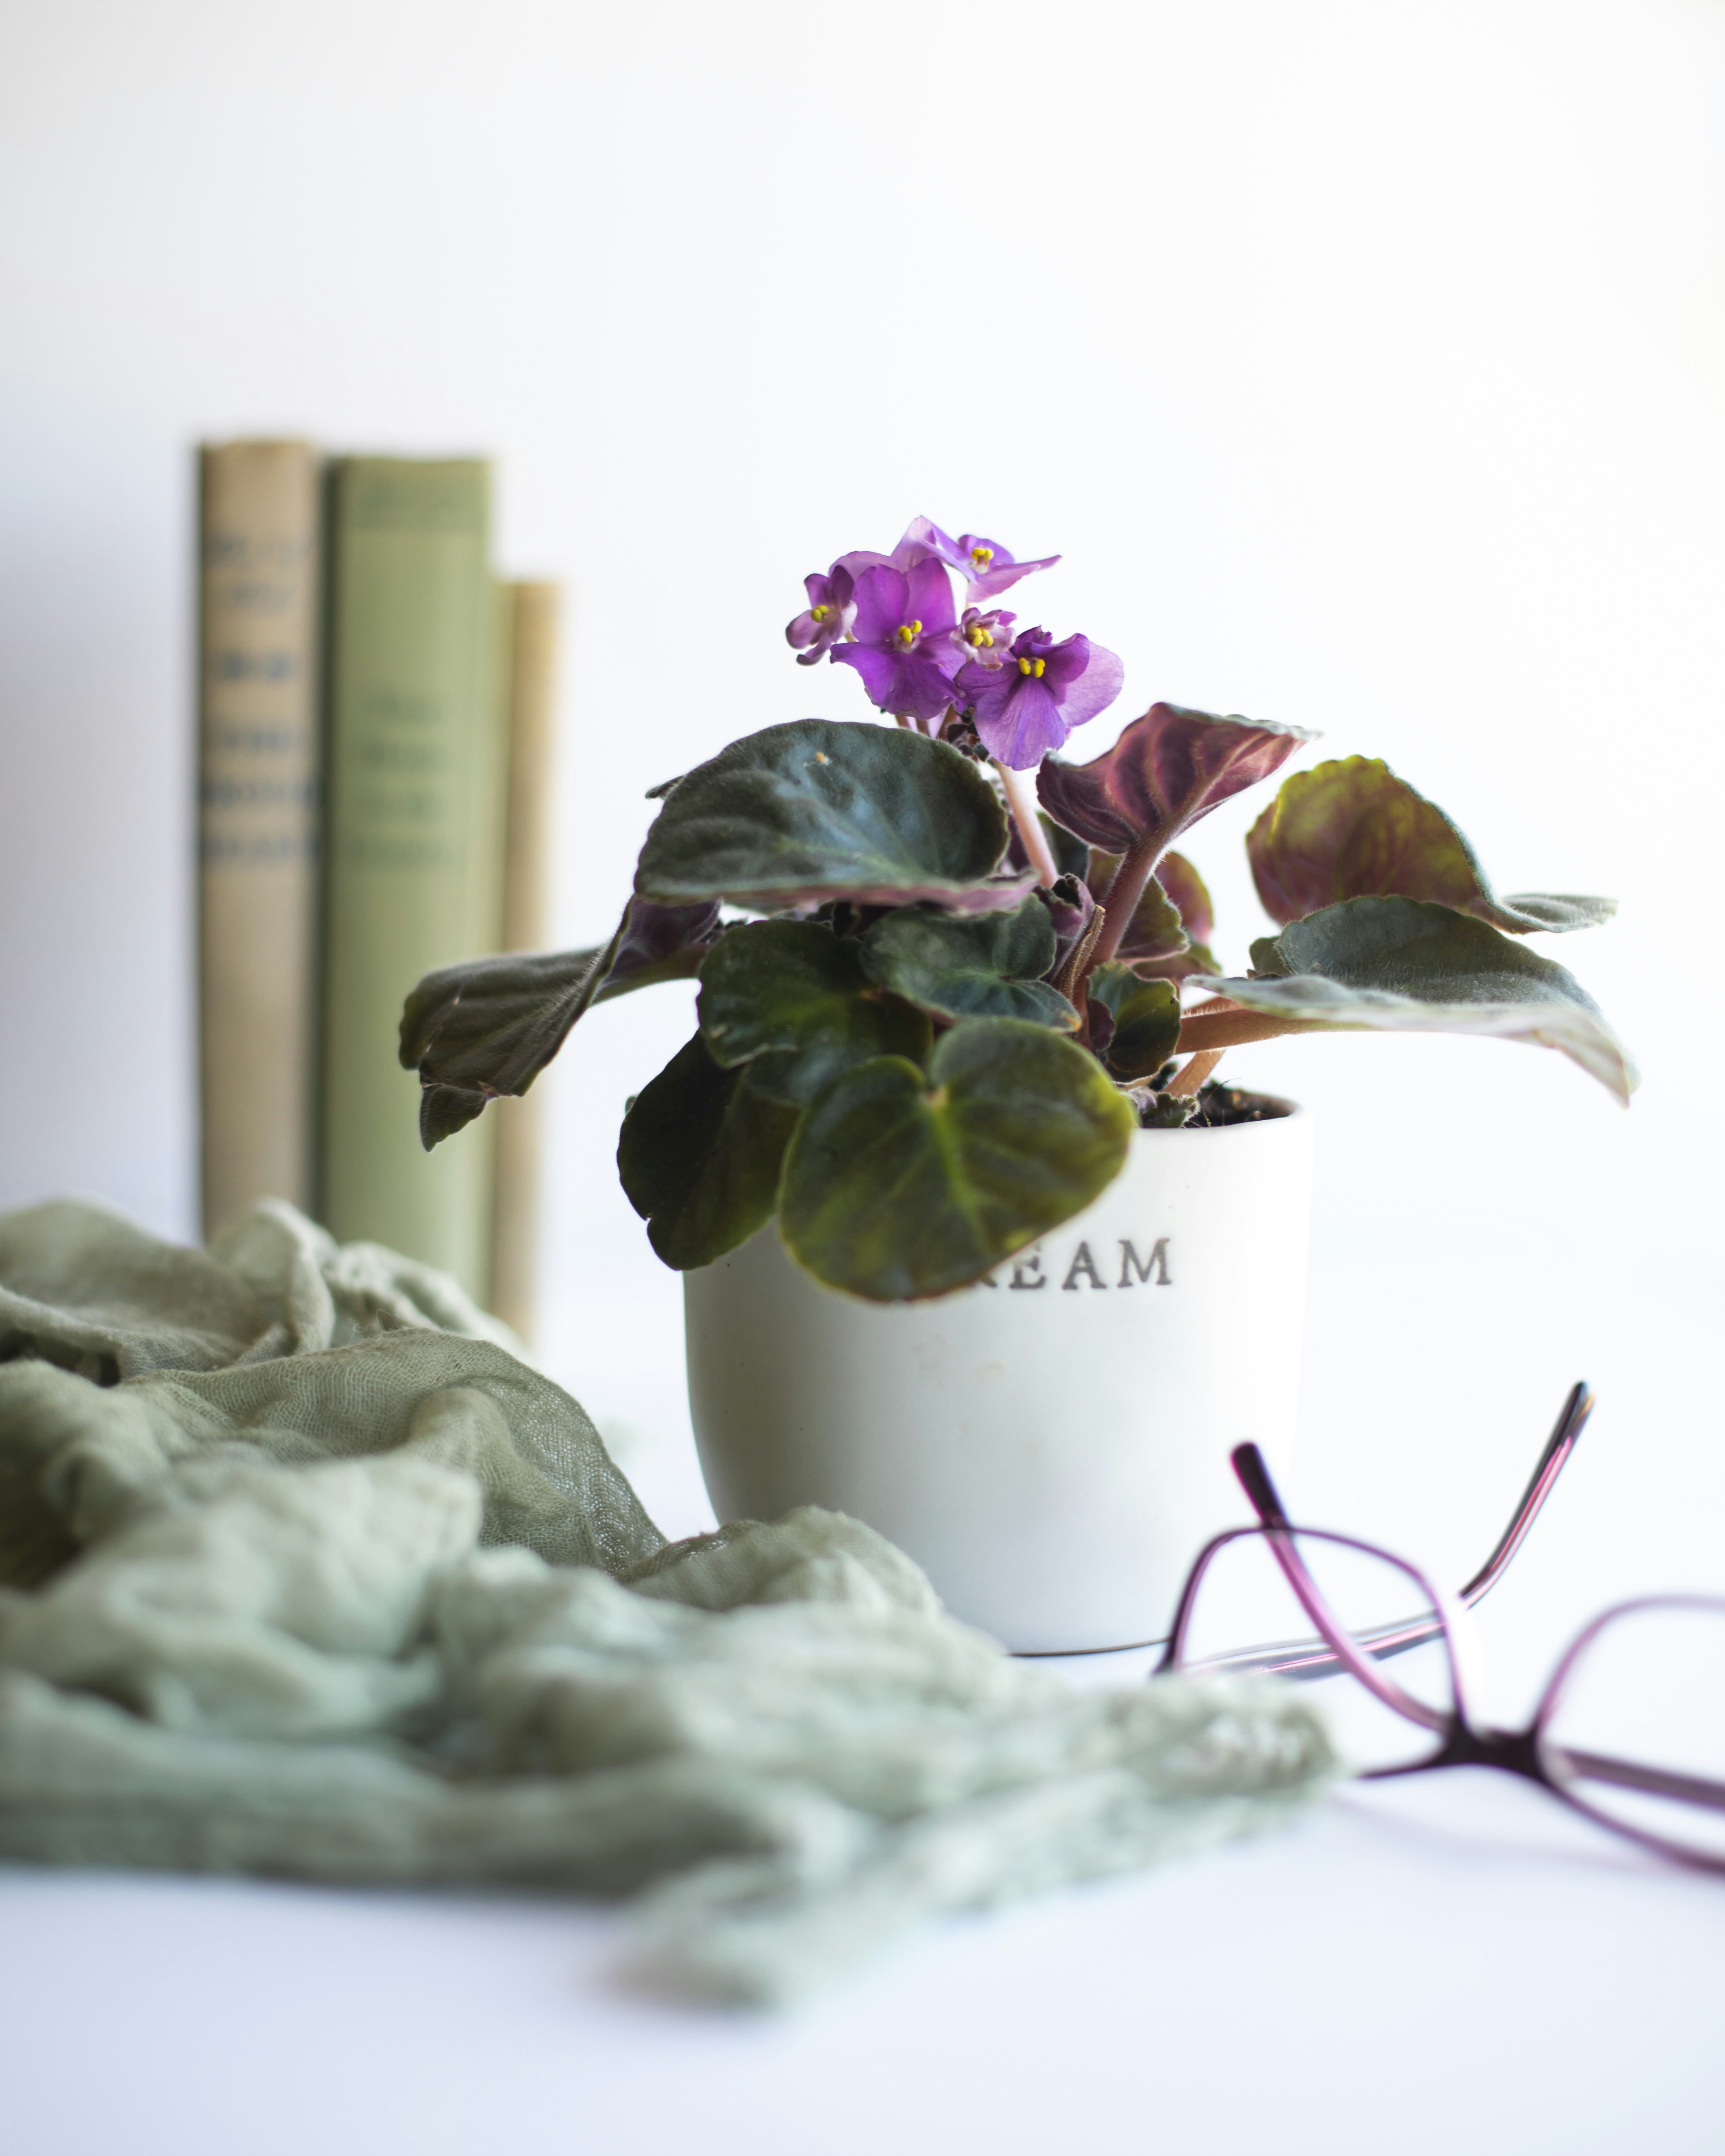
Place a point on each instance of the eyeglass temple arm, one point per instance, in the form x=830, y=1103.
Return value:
x=1566, y=1432
x=1254, y=1480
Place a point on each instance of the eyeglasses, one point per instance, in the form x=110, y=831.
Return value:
x=1629, y=1731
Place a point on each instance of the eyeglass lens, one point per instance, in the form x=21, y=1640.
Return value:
x=1246, y=1619
x=1637, y=1732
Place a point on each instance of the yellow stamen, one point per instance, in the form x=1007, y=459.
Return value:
x=977, y=636
x=982, y=555
x=909, y=631
x=819, y=612
x=1034, y=667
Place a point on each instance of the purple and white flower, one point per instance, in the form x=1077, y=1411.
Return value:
x=986, y=637
x=827, y=616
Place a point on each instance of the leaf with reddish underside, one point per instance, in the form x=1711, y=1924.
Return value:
x=1165, y=770
x=1400, y=965
x=1351, y=828
x=1192, y=900
x=824, y=808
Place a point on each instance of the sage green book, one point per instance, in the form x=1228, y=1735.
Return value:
x=417, y=760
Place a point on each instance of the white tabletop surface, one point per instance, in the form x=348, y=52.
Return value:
x=1446, y=1964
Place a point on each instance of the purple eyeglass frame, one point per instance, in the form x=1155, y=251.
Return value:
x=1529, y=1752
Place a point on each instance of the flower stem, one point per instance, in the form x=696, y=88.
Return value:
x=1021, y=799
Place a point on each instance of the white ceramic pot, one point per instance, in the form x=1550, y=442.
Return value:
x=1052, y=1448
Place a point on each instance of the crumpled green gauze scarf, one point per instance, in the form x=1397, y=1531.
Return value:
x=303, y=1572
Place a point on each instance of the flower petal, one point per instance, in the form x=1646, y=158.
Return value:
x=1064, y=664
x=924, y=686
x=1027, y=725
x=1000, y=576
x=929, y=598
x=879, y=670
x=880, y=605
x=1095, y=689
x=923, y=538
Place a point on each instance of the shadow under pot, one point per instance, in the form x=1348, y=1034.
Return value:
x=1051, y=1447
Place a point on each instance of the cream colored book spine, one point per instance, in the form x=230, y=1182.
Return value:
x=258, y=736
x=532, y=612
x=415, y=847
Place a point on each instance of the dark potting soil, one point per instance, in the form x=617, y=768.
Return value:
x=1219, y=1104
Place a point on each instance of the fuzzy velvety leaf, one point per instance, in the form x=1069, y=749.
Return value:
x=987, y=968
x=1401, y=965
x=793, y=1001
x=699, y=1158
x=1168, y=769
x=898, y=1187
x=489, y=1027
x=827, y=808
x=1145, y=1017
x=1351, y=828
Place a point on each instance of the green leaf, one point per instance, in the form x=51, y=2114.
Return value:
x=699, y=1158
x=898, y=1187
x=1351, y=828
x=490, y=1026
x=792, y=1000
x=1147, y=1019
x=1402, y=965
x=828, y=808
x=478, y=1030
x=990, y=966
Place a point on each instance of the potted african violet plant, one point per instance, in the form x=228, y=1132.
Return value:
x=977, y=1246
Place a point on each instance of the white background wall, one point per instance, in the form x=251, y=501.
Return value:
x=1365, y=361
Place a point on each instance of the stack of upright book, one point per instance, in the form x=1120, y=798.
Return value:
x=376, y=715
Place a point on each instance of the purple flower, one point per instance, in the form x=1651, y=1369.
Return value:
x=988, y=570
x=987, y=567
x=826, y=616
x=986, y=636
x=1029, y=706
x=905, y=650
x=922, y=541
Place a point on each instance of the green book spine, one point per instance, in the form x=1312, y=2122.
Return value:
x=417, y=774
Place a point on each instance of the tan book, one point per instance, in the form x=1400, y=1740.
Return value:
x=257, y=751
x=415, y=845
x=531, y=614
